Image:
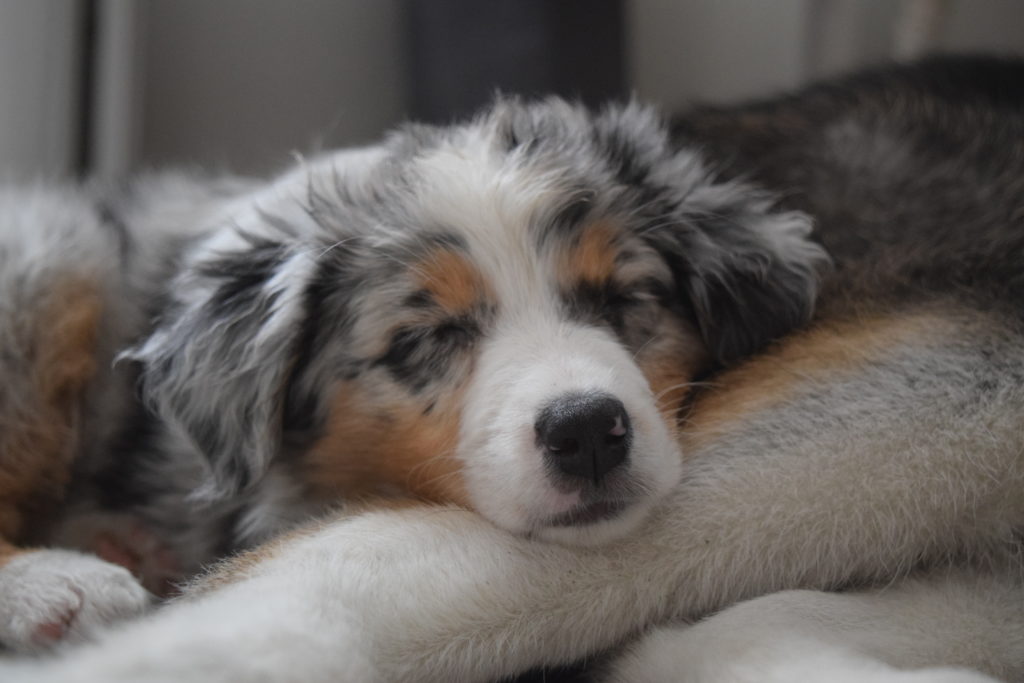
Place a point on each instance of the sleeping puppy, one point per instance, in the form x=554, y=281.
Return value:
x=850, y=501
x=849, y=507
x=506, y=315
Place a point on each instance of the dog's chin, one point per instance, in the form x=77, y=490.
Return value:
x=593, y=524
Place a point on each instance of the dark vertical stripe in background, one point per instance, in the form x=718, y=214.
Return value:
x=87, y=48
x=462, y=51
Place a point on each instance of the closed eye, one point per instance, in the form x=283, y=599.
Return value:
x=456, y=333
x=633, y=311
x=599, y=302
x=419, y=355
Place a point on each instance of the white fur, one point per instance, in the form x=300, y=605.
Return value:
x=534, y=360
x=534, y=354
x=403, y=596
x=858, y=493
x=851, y=480
x=46, y=587
x=898, y=634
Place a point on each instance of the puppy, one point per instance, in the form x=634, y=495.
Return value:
x=505, y=314
x=850, y=500
x=872, y=460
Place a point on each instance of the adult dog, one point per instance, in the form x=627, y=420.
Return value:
x=873, y=459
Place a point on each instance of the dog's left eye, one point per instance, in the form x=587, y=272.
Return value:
x=450, y=335
x=420, y=354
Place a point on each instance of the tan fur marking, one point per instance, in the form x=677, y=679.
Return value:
x=238, y=567
x=37, y=447
x=404, y=452
x=8, y=552
x=592, y=258
x=669, y=376
x=821, y=353
x=452, y=280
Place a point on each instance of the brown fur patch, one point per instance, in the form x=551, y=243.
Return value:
x=240, y=566
x=670, y=363
x=403, y=451
x=38, y=444
x=669, y=377
x=822, y=353
x=8, y=552
x=452, y=280
x=591, y=259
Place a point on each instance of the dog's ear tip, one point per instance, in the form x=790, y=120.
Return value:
x=745, y=305
x=216, y=366
x=743, y=335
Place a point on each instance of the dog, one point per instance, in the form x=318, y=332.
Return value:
x=843, y=497
x=505, y=315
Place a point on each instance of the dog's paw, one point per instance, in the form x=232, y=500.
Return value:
x=47, y=596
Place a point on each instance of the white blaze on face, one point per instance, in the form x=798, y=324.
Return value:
x=522, y=367
x=532, y=353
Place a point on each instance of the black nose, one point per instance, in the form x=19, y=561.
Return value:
x=584, y=435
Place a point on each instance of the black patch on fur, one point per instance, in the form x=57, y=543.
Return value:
x=596, y=303
x=243, y=274
x=421, y=298
x=444, y=239
x=216, y=347
x=728, y=272
x=399, y=358
x=571, y=214
x=624, y=161
x=740, y=314
x=418, y=356
x=122, y=484
x=742, y=294
x=325, y=306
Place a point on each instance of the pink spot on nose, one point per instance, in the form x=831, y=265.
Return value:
x=619, y=429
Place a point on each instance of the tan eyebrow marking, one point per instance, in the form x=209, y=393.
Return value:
x=452, y=280
x=591, y=259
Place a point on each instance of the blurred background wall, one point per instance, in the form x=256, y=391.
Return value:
x=111, y=86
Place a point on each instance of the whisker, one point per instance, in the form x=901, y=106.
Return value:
x=331, y=247
x=644, y=345
x=681, y=385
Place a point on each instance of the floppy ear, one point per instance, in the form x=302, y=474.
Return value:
x=750, y=273
x=217, y=364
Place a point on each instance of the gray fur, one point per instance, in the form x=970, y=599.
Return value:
x=240, y=305
x=873, y=461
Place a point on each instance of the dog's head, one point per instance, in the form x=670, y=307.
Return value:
x=504, y=313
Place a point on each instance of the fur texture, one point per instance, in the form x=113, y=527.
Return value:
x=845, y=504
x=505, y=314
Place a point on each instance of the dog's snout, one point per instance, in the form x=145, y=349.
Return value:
x=584, y=435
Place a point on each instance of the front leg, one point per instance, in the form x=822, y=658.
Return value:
x=798, y=477
x=384, y=596
x=426, y=594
